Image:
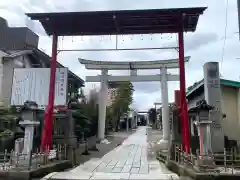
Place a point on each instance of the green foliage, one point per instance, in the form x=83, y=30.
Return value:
x=152, y=114
x=8, y=116
x=123, y=98
x=6, y=132
x=122, y=101
x=85, y=116
x=73, y=88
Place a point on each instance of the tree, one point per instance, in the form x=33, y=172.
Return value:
x=85, y=115
x=122, y=101
x=109, y=117
x=152, y=115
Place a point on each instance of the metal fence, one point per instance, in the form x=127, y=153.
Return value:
x=20, y=161
x=226, y=162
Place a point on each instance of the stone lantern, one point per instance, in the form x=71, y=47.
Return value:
x=29, y=111
x=29, y=121
x=203, y=124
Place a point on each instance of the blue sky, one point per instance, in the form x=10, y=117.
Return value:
x=206, y=44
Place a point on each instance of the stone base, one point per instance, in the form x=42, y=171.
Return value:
x=1, y=105
x=206, y=161
x=104, y=141
x=163, y=144
x=23, y=161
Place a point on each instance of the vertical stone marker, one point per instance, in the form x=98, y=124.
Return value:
x=212, y=93
x=102, y=105
x=28, y=135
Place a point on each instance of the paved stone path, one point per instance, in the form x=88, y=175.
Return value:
x=127, y=161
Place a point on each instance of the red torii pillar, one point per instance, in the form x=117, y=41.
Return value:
x=184, y=108
x=46, y=139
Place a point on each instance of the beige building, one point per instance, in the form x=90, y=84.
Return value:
x=230, y=103
x=94, y=95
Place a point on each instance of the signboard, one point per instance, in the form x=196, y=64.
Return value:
x=33, y=84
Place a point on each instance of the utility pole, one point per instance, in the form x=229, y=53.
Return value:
x=238, y=8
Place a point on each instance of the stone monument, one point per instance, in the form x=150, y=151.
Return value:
x=212, y=93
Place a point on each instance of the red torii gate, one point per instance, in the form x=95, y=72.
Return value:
x=123, y=22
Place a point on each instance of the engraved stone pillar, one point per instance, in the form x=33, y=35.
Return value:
x=102, y=105
x=212, y=92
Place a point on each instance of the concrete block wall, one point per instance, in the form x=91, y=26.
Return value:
x=16, y=38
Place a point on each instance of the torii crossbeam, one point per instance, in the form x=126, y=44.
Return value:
x=178, y=20
x=121, y=65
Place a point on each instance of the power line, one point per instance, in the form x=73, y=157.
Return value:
x=225, y=33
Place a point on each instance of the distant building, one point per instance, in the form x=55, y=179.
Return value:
x=111, y=96
x=93, y=95
x=112, y=92
x=19, y=49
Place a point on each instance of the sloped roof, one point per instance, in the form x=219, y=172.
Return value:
x=42, y=57
x=143, y=21
x=199, y=86
x=16, y=53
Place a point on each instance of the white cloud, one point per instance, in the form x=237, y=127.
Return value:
x=203, y=45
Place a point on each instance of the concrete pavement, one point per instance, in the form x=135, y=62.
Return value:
x=130, y=160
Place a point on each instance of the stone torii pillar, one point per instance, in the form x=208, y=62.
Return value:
x=164, y=142
x=102, y=105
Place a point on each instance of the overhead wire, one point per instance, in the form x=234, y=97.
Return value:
x=225, y=34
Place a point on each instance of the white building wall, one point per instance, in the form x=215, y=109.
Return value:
x=1, y=78
x=8, y=69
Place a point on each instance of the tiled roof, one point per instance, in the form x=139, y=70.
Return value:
x=200, y=84
x=17, y=53
x=44, y=57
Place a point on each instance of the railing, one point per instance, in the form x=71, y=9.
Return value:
x=20, y=161
x=181, y=157
x=226, y=162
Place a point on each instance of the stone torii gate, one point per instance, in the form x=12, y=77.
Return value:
x=104, y=78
